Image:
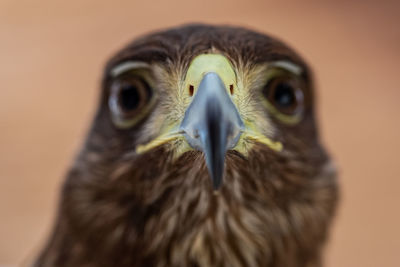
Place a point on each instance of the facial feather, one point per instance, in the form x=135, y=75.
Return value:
x=158, y=208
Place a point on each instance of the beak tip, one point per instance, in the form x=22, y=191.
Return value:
x=212, y=124
x=216, y=183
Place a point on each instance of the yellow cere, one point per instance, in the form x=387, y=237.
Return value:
x=205, y=63
x=201, y=65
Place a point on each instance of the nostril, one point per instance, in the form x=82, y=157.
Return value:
x=231, y=89
x=191, y=90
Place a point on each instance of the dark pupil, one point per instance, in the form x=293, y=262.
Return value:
x=129, y=98
x=284, y=95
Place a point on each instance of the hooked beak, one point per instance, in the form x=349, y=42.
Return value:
x=212, y=124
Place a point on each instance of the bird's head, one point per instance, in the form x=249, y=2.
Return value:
x=200, y=121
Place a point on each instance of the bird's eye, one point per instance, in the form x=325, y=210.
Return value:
x=130, y=100
x=284, y=97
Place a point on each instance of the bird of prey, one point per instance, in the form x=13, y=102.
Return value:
x=204, y=151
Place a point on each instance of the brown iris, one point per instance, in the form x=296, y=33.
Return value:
x=129, y=99
x=285, y=94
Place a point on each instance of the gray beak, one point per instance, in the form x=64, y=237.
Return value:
x=212, y=124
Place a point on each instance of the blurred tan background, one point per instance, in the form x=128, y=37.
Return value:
x=51, y=58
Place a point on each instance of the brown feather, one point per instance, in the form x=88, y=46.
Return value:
x=122, y=209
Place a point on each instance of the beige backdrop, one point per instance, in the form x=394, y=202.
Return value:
x=51, y=57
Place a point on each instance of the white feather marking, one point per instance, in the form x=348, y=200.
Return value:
x=287, y=65
x=127, y=66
